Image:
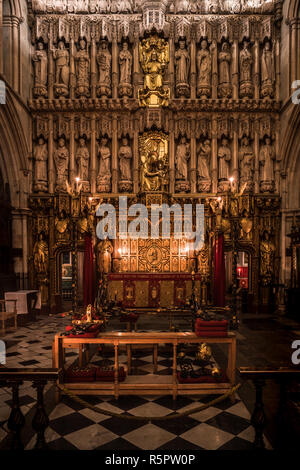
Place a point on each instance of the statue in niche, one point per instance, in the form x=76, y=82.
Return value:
x=41, y=254
x=266, y=160
x=61, y=225
x=103, y=6
x=181, y=161
x=267, y=252
x=62, y=72
x=182, y=6
x=225, y=88
x=104, y=255
x=104, y=67
x=267, y=72
x=82, y=61
x=182, y=64
x=246, y=158
x=104, y=175
x=82, y=160
x=204, y=154
x=224, y=158
x=123, y=6
x=40, y=155
x=61, y=158
x=154, y=162
x=125, y=157
x=246, y=61
x=125, y=62
x=40, y=64
x=204, y=70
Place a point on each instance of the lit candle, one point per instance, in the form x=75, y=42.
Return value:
x=77, y=179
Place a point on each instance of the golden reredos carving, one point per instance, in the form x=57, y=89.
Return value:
x=153, y=147
x=154, y=57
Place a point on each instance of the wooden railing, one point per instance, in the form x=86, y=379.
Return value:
x=284, y=377
x=13, y=378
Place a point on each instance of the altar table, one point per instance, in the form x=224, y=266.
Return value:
x=146, y=384
x=27, y=301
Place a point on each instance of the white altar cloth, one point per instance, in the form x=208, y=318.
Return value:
x=21, y=297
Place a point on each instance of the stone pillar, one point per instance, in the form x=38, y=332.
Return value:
x=1, y=38
x=214, y=154
x=277, y=70
x=193, y=161
x=235, y=151
x=51, y=67
x=171, y=64
x=72, y=84
x=114, y=152
x=277, y=155
x=72, y=168
x=93, y=65
x=256, y=70
x=193, y=71
x=294, y=51
x=172, y=154
x=214, y=57
x=93, y=168
x=235, y=70
x=51, y=170
x=136, y=173
x=136, y=65
x=115, y=66
x=15, y=22
x=256, y=155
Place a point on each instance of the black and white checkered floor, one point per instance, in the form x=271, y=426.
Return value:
x=225, y=426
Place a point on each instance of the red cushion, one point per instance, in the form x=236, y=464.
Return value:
x=203, y=379
x=109, y=375
x=211, y=334
x=212, y=323
x=76, y=374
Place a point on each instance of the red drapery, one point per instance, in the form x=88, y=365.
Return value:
x=219, y=272
x=88, y=271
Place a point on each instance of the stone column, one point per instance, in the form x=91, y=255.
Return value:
x=294, y=51
x=72, y=171
x=115, y=66
x=50, y=63
x=277, y=155
x=136, y=173
x=15, y=22
x=256, y=70
x=72, y=84
x=51, y=170
x=256, y=154
x=235, y=151
x=114, y=152
x=277, y=70
x=172, y=154
x=93, y=168
x=214, y=154
x=136, y=65
x=193, y=161
x=193, y=71
x=93, y=64
x=214, y=57
x=235, y=70
x=1, y=37
x=171, y=64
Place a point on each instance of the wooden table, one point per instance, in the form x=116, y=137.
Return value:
x=146, y=384
x=6, y=315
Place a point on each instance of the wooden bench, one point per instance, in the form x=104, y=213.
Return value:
x=4, y=315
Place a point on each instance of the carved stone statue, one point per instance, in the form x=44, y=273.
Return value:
x=82, y=61
x=40, y=255
x=62, y=69
x=104, y=175
x=123, y=6
x=266, y=160
x=181, y=161
x=103, y=6
x=40, y=155
x=104, y=256
x=246, y=61
x=82, y=160
x=61, y=226
x=125, y=157
x=125, y=62
x=182, y=6
x=61, y=158
x=40, y=64
x=267, y=72
x=104, y=67
x=204, y=154
x=182, y=63
x=225, y=88
x=154, y=162
x=246, y=158
x=224, y=157
x=204, y=70
x=267, y=252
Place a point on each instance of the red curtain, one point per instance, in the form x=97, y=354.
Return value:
x=219, y=272
x=88, y=272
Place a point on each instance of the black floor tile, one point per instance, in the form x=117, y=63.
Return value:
x=118, y=444
x=237, y=444
x=179, y=444
x=70, y=423
x=229, y=422
x=122, y=426
x=168, y=401
x=126, y=403
x=177, y=426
